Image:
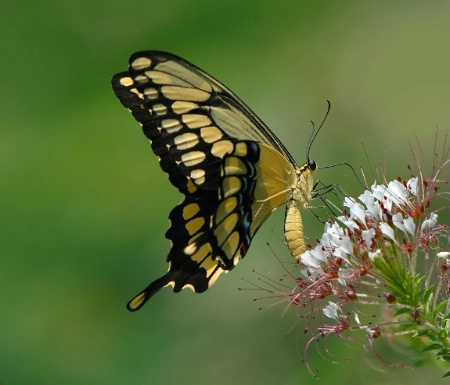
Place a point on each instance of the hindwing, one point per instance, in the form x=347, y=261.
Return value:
x=211, y=234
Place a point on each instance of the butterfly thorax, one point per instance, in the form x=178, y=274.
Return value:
x=301, y=192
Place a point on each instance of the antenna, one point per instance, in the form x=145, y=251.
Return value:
x=315, y=132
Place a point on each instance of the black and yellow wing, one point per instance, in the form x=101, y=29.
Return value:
x=232, y=170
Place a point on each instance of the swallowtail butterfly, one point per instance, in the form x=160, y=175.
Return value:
x=231, y=168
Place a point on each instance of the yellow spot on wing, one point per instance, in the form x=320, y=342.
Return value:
x=222, y=147
x=136, y=92
x=224, y=229
x=181, y=107
x=183, y=93
x=171, y=125
x=141, y=79
x=231, y=245
x=160, y=109
x=202, y=254
x=198, y=175
x=190, y=210
x=211, y=134
x=215, y=275
x=126, y=81
x=192, y=158
x=196, y=120
x=136, y=302
x=240, y=149
x=141, y=63
x=194, y=225
x=185, y=141
x=231, y=185
x=151, y=93
x=191, y=187
x=234, y=166
x=159, y=77
x=226, y=207
x=190, y=249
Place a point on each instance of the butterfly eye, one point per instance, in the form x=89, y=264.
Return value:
x=312, y=164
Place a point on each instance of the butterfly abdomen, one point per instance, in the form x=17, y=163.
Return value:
x=293, y=230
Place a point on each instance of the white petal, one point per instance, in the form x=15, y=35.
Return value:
x=346, y=244
x=387, y=230
x=350, y=223
x=412, y=185
x=366, y=197
x=367, y=236
x=429, y=222
x=443, y=254
x=357, y=211
x=398, y=192
x=397, y=220
x=325, y=240
x=319, y=254
x=378, y=191
x=410, y=225
x=373, y=207
x=339, y=252
x=373, y=255
x=349, y=202
x=331, y=310
x=309, y=260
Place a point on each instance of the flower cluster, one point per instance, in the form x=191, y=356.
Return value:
x=388, y=250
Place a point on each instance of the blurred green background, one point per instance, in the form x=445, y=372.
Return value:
x=84, y=204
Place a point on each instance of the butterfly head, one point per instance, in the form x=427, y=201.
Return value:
x=312, y=165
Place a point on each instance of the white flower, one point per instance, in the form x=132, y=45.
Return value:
x=350, y=223
x=398, y=192
x=367, y=236
x=319, y=255
x=410, y=225
x=357, y=211
x=309, y=260
x=387, y=230
x=379, y=193
x=429, y=222
x=373, y=208
x=406, y=225
x=331, y=310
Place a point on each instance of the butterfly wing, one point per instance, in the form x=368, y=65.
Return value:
x=231, y=168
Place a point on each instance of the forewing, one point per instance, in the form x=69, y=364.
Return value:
x=191, y=119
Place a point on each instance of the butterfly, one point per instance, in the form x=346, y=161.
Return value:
x=231, y=168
